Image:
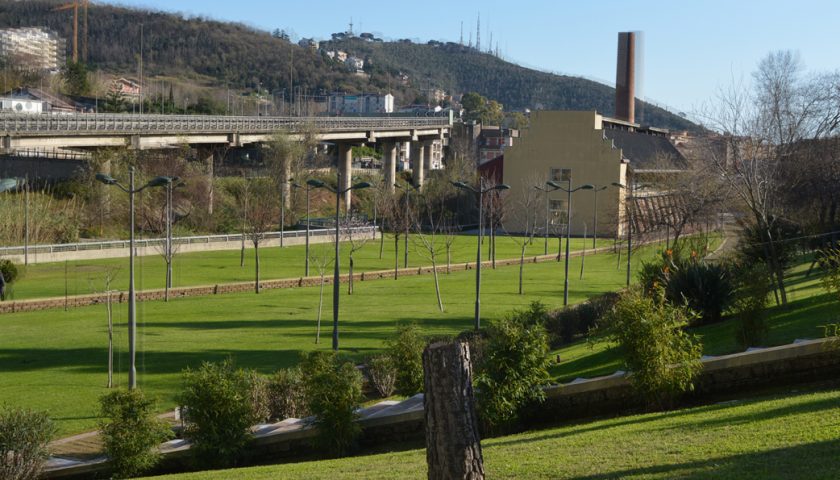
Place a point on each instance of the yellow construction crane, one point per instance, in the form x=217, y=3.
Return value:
x=75, y=6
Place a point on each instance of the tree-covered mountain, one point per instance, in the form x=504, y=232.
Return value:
x=231, y=55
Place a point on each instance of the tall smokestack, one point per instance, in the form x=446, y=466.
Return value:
x=625, y=77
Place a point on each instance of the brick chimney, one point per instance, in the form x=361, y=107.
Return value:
x=625, y=78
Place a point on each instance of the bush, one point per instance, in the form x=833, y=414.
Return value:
x=333, y=393
x=563, y=326
x=829, y=260
x=287, y=398
x=513, y=370
x=753, y=286
x=24, y=435
x=382, y=375
x=662, y=357
x=131, y=433
x=705, y=288
x=9, y=270
x=260, y=399
x=219, y=412
x=406, y=350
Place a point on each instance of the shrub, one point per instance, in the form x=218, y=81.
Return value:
x=333, y=393
x=829, y=260
x=217, y=398
x=563, y=326
x=477, y=341
x=9, y=270
x=286, y=394
x=260, y=399
x=662, y=357
x=705, y=288
x=406, y=350
x=753, y=286
x=514, y=367
x=131, y=432
x=382, y=374
x=24, y=435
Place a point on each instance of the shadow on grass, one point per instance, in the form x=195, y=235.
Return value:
x=812, y=460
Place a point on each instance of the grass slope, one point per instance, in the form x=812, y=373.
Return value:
x=222, y=266
x=57, y=361
x=784, y=437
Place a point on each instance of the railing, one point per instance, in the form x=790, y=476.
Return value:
x=90, y=123
x=159, y=242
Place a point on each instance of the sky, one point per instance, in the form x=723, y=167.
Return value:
x=691, y=49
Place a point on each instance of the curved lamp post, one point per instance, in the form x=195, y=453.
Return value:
x=307, y=188
x=338, y=193
x=595, y=190
x=480, y=191
x=132, y=312
x=629, y=211
x=407, y=190
x=569, y=190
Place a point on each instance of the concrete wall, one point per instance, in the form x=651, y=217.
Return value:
x=573, y=140
x=39, y=168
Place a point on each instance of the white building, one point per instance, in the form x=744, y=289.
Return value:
x=355, y=64
x=33, y=48
x=365, y=103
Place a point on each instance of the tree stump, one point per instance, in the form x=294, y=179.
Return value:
x=453, y=450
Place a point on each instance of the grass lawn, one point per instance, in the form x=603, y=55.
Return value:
x=809, y=307
x=796, y=436
x=57, y=361
x=222, y=266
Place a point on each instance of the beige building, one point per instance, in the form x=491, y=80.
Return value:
x=33, y=48
x=587, y=148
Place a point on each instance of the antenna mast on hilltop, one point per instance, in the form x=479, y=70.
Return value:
x=478, y=33
x=350, y=32
x=462, y=33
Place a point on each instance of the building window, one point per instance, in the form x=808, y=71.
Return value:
x=557, y=212
x=560, y=174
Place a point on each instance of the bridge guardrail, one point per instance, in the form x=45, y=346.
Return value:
x=151, y=242
x=11, y=123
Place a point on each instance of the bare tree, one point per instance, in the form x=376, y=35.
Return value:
x=527, y=200
x=322, y=258
x=429, y=225
x=762, y=128
x=262, y=213
x=356, y=240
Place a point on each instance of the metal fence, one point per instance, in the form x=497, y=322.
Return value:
x=159, y=242
x=125, y=123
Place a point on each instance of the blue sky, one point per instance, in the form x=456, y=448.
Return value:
x=690, y=47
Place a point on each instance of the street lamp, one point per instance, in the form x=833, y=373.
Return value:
x=7, y=184
x=407, y=210
x=569, y=190
x=595, y=190
x=480, y=191
x=132, y=313
x=338, y=193
x=629, y=211
x=308, y=189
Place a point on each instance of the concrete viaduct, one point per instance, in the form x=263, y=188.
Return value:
x=208, y=134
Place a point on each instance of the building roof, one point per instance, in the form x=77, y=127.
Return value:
x=647, y=150
x=55, y=101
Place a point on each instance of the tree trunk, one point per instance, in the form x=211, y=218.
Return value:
x=242, y=252
x=437, y=283
x=381, y=242
x=110, y=342
x=521, y=266
x=396, y=256
x=453, y=449
x=256, y=267
x=448, y=259
x=350, y=278
x=320, y=308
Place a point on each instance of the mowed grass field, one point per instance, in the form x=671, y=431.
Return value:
x=790, y=437
x=57, y=361
x=809, y=308
x=223, y=266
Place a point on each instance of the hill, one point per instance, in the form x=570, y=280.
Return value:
x=230, y=55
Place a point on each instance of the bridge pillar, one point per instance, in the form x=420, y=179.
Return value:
x=285, y=188
x=427, y=156
x=345, y=168
x=207, y=156
x=390, y=166
x=418, y=152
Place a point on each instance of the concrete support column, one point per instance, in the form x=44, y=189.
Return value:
x=417, y=154
x=207, y=156
x=427, y=156
x=345, y=168
x=390, y=165
x=285, y=189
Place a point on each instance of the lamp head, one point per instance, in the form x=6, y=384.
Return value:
x=160, y=181
x=553, y=184
x=315, y=183
x=619, y=185
x=502, y=186
x=106, y=179
x=360, y=185
x=587, y=186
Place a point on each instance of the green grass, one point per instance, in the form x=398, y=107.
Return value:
x=786, y=437
x=809, y=307
x=222, y=266
x=57, y=361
